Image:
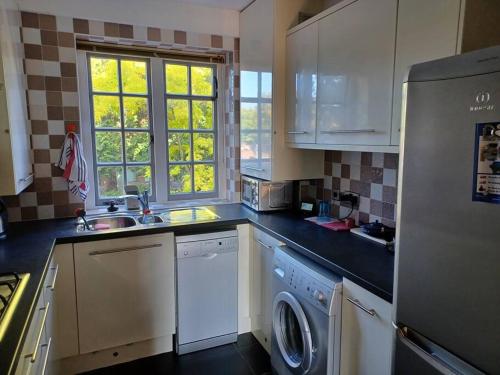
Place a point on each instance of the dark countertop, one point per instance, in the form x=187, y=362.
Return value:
x=29, y=246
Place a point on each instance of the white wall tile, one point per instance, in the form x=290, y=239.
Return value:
x=64, y=24
x=56, y=127
x=31, y=36
x=364, y=204
x=43, y=170
x=96, y=28
x=378, y=159
x=40, y=142
x=390, y=177
x=52, y=68
x=38, y=112
x=37, y=97
x=345, y=184
x=336, y=170
x=70, y=99
x=376, y=192
x=45, y=212
x=140, y=33
x=355, y=172
x=34, y=67
x=67, y=54
x=59, y=184
x=54, y=156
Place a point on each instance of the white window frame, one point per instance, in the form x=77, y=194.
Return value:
x=158, y=119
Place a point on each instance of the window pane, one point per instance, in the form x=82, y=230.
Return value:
x=203, y=114
x=134, y=78
x=106, y=111
x=104, y=72
x=177, y=114
x=249, y=146
x=180, y=179
x=266, y=115
x=176, y=79
x=108, y=146
x=203, y=146
x=249, y=115
x=137, y=147
x=139, y=176
x=266, y=85
x=135, y=112
x=266, y=145
x=249, y=84
x=110, y=181
x=204, y=177
x=179, y=147
x=201, y=81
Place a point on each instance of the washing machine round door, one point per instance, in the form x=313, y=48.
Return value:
x=292, y=333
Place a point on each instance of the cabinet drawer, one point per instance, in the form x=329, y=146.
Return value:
x=34, y=356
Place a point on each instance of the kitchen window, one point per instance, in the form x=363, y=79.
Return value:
x=151, y=122
x=120, y=103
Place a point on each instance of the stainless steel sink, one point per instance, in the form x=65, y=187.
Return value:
x=157, y=220
x=189, y=215
x=111, y=222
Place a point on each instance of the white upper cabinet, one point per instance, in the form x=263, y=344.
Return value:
x=427, y=30
x=15, y=168
x=301, y=83
x=264, y=152
x=355, y=72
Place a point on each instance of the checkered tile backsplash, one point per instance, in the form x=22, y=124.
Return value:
x=371, y=175
x=52, y=95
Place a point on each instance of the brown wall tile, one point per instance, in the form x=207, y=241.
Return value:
x=80, y=26
x=30, y=20
x=71, y=113
x=36, y=82
x=111, y=29
x=47, y=22
x=56, y=141
x=60, y=197
x=126, y=31
x=11, y=200
x=66, y=39
x=44, y=198
x=216, y=41
x=53, y=98
x=50, y=53
x=54, y=113
x=68, y=69
x=53, y=83
x=49, y=37
x=33, y=51
x=56, y=171
x=39, y=127
x=154, y=34
x=42, y=184
x=180, y=37
x=69, y=84
x=29, y=213
x=345, y=171
x=391, y=161
x=41, y=156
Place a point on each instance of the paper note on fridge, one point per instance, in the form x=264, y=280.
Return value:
x=486, y=187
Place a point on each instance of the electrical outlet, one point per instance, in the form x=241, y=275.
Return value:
x=349, y=196
x=336, y=194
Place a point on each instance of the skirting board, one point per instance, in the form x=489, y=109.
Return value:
x=112, y=356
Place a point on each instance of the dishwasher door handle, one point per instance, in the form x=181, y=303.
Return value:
x=209, y=256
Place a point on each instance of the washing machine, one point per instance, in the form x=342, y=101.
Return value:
x=306, y=316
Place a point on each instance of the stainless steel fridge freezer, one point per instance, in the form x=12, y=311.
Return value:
x=447, y=279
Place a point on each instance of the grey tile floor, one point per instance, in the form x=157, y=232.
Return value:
x=245, y=357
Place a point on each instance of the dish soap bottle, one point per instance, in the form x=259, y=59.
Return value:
x=147, y=217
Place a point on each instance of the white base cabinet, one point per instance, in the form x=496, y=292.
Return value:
x=366, y=336
x=261, y=270
x=125, y=290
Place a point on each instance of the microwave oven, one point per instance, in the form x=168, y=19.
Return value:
x=264, y=195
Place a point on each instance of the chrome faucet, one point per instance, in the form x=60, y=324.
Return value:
x=142, y=198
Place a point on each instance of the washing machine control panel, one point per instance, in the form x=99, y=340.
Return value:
x=304, y=282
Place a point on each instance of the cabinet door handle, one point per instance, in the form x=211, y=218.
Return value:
x=298, y=132
x=52, y=285
x=46, y=360
x=28, y=177
x=265, y=244
x=34, y=353
x=123, y=249
x=255, y=169
x=356, y=303
x=348, y=131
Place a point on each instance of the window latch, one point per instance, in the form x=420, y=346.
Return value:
x=216, y=87
x=151, y=139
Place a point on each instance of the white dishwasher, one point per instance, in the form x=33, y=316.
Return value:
x=207, y=290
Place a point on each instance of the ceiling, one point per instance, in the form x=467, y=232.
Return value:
x=226, y=4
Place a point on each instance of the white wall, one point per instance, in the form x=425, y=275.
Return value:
x=159, y=13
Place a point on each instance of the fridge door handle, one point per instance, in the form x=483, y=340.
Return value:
x=444, y=362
